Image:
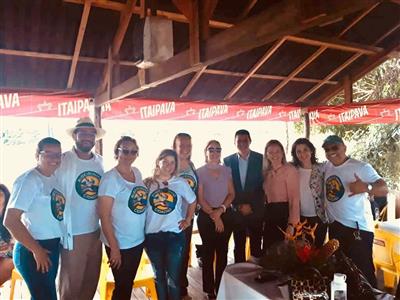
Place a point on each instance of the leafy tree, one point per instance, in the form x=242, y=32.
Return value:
x=378, y=144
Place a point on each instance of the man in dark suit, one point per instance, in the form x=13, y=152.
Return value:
x=249, y=201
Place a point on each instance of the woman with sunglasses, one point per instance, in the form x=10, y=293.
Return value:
x=121, y=207
x=182, y=144
x=6, y=241
x=311, y=175
x=165, y=239
x=34, y=216
x=281, y=187
x=216, y=193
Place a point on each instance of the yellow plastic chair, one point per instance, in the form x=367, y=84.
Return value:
x=386, y=252
x=144, y=278
x=14, y=277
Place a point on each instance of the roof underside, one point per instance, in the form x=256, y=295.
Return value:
x=38, y=42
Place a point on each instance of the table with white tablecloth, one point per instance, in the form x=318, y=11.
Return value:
x=238, y=283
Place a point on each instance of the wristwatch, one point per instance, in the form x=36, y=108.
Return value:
x=369, y=187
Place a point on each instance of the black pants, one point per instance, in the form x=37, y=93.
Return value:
x=360, y=251
x=125, y=275
x=185, y=259
x=320, y=232
x=276, y=216
x=215, y=244
x=249, y=226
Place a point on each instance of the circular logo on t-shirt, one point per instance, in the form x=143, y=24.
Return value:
x=190, y=180
x=87, y=185
x=138, y=200
x=334, y=188
x=163, y=201
x=57, y=202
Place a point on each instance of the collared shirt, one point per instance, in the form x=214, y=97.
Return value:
x=243, y=165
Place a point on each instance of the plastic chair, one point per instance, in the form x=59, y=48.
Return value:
x=14, y=277
x=144, y=278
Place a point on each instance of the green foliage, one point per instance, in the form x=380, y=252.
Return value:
x=378, y=144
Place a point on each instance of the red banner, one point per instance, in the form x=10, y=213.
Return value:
x=372, y=113
x=62, y=106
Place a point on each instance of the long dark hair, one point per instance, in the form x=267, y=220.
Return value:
x=4, y=233
x=303, y=141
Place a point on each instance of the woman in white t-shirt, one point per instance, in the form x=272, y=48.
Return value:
x=182, y=144
x=165, y=239
x=34, y=216
x=311, y=175
x=122, y=201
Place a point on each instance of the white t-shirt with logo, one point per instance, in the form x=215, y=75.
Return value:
x=80, y=180
x=42, y=202
x=191, y=179
x=129, y=207
x=164, y=209
x=307, y=204
x=340, y=206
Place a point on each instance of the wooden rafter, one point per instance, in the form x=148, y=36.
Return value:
x=255, y=68
x=118, y=39
x=361, y=71
x=333, y=43
x=281, y=19
x=250, y=4
x=316, y=54
x=112, y=5
x=55, y=56
x=198, y=32
x=266, y=77
x=78, y=43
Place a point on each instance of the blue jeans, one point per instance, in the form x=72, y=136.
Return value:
x=165, y=252
x=41, y=285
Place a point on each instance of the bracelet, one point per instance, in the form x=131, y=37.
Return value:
x=223, y=207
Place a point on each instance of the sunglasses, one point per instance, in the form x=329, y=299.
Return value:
x=214, y=150
x=50, y=155
x=127, y=151
x=333, y=148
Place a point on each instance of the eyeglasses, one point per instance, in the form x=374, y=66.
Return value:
x=333, y=148
x=51, y=155
x=214, y=150
x=127, y=151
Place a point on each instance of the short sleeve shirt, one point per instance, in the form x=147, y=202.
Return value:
x=165, y=205
x=129, y=207
x=42, y=202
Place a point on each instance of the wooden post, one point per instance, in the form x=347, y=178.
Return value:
x=97, y=121
x=307, y=125
x=348, y=89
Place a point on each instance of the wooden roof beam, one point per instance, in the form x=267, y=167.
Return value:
x=112, y=5
x=255, y=68
x=118, y=39
x=54, y=56
x=361, y=71
x=281, y=19
x=316, y=54
x=78, y=43
x=334, y=43
x=247, y=9
x=267, y=77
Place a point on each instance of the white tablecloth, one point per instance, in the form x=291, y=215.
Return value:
x=238, y=283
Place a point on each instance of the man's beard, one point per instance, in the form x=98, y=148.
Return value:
x=84, y=148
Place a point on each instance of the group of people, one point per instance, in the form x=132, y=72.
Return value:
x=68, y=200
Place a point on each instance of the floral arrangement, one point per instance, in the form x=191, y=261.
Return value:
x=298, y=251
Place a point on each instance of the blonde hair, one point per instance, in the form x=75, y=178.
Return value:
x=267, y=163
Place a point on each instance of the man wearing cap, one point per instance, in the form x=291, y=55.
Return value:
x=80, y=173
x=348, y=182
